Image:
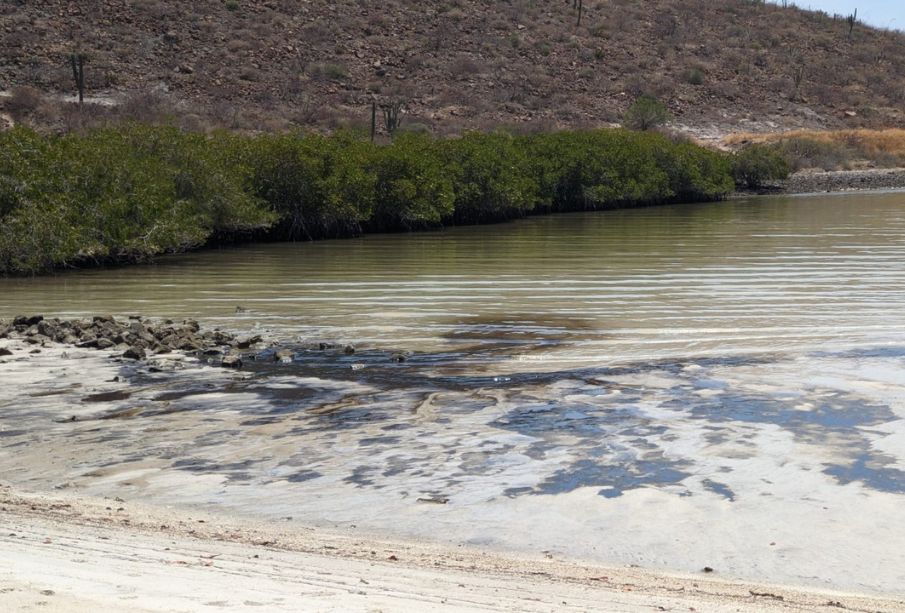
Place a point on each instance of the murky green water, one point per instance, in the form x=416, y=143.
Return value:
x=783, y=274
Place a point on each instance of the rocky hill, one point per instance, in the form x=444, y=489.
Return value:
x=719, y=66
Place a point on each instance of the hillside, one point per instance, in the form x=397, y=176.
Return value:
x=719, y=66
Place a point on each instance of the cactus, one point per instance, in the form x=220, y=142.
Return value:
x=579, y=6
x=852, y=20
x=78, y=73
x=391, y=116
x=797, y=78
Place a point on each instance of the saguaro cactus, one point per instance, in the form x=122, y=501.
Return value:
x=391, y=116
x=852, y=20
x=579, y=6
x=78, y=73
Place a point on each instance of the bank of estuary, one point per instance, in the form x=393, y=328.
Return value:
x=130, y=193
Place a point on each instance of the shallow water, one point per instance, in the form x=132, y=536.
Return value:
x=713, y=385
x=784, y=274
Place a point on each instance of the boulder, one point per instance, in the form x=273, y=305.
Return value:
x=134, y=353
x=104, y=343
x=27, y=320
x=245, y=343
x=231, y=361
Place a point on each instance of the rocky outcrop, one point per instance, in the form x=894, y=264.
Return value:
x=136, y=338
x=843, y=180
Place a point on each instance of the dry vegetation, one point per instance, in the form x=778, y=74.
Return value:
x=456, y=64
x=832, y=150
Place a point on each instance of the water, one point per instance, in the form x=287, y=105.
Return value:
x=784, y=274
x=712, y=385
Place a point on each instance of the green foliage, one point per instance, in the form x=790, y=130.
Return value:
x=114, y=195
x=131, y=193
x=606, y=168
x=318, y=186
x=755, y=165
x=492, y=177
x=646, y=113
x=693, y=76
x=413, y=188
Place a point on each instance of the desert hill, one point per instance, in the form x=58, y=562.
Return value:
x=452, y=65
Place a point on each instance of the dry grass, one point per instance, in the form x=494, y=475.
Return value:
x=877, y=142
x=832, y=149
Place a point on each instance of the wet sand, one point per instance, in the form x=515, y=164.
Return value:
x=771, y=470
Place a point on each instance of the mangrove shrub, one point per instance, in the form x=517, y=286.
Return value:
x=133, y=192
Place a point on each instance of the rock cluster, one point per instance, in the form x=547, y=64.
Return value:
x=843, y=180
x=136, y=338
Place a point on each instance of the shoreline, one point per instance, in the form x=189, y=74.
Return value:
x=807, y=182
x=845, y=181
x=75, y=553
x=833, y=182
x=184, y=543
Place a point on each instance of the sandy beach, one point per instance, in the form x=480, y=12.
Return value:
x=61, y=553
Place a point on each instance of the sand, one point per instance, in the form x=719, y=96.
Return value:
x=108, y=470
x=60, y=553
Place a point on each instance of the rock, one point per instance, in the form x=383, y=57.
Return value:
x=5, y=351
x=104, y=343
x=349, y=349
x=231, y=361
x=48, y=328
x=27, y=320
x=189, y=344
x=398, y=357
x=134, y=353
x=325, y=346
x=103, y=319
x=283, y=355
x=245, y=343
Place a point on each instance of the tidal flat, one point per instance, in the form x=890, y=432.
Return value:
x=710, y=386
x=777, y=469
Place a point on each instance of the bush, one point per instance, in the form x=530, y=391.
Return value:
x=318, y=186
x=131, y=193
x=693, y=76
x=413, y=187
x=491, y=175
x=646, y=113
x=114, y=195
x=23, y=101
x=754, y=166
